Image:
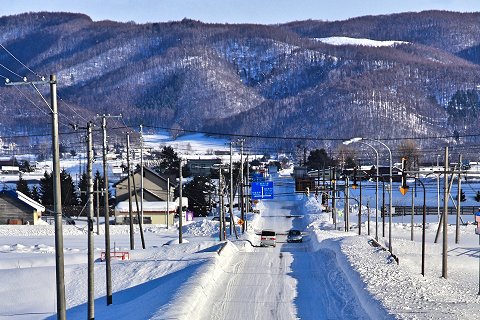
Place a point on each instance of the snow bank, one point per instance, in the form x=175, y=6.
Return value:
x=190, y=301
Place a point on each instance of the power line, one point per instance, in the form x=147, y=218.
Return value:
x=11, y=54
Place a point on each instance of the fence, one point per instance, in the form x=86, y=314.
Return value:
x=418, y=210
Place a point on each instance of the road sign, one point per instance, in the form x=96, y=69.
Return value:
x=262, y=190
x=257, y=177
x=240, y=221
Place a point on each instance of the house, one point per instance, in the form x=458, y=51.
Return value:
x=153, y=212
x=154, y=186
x=154, y=197
x=201, y=167
x=17, y=208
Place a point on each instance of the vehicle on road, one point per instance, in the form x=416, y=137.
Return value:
x=294, y=236
x=227, y=218
x=268, y=238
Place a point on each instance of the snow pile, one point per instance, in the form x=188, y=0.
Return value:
x=385, y=288
x=191, y=299
x=206, y=228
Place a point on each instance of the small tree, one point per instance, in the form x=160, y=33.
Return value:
x=409, y=150
x=477, y=196
x=198, y=193
x=22, y=186
x=35, y=194
x=69, y=196
x=46, y=189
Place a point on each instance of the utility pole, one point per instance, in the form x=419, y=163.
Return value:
x=360, y=211
x=247, y=199
x=108, y=268
x=231, y=188
x=57, y=205
x=459, y=197
x=168, y=201
x=141, y=174
x=139, y=216
x=98, y=209
x=242, y=215
x=132, y=244
x=347, y=205
x=334, y=200
x=220, y=203
x=91, y=300
x=445, y=217
x=180, y=210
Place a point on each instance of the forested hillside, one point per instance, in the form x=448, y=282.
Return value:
x=281, y=80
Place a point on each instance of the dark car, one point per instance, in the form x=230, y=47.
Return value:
x=294, y=236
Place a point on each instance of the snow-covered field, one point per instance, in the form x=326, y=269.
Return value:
x=195, y=280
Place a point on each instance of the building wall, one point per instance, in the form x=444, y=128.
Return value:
x=151, y=182
x=201, y=167
x=12, y=209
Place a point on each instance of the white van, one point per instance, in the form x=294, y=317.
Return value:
x=268, y=238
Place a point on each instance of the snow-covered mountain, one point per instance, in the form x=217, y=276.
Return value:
x=380, y=77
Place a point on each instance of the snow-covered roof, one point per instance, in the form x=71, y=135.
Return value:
x=23, y=198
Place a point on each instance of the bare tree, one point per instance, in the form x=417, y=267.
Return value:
x=409, y=150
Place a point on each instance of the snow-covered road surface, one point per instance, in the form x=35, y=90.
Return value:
x=289, y=281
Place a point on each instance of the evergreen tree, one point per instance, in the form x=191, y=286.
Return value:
x=319, y=159
x=477, y=196
x=169, y=161
x=83, y=186
x=35, y=194
x=197, y=191
x=69, y=196
x=22, y=186
x=46, y=189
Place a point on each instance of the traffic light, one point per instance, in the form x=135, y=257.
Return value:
x=354, y=185
x=404, y=188
x=307, y=191
x=324, y=199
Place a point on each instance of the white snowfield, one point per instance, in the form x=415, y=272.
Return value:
x=333, y=274
x=341, y=41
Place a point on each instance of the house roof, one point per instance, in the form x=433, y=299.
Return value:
x=26, y=200
x=146, y=169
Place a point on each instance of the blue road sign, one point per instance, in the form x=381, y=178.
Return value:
x=262, y=190
x=257, y=177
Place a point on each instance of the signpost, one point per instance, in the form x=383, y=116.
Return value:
x=262, y=190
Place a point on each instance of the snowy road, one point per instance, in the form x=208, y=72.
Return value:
x=287, y=282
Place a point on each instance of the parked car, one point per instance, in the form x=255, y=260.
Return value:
x=268, y=238
x=294, y=236
x=227, y=218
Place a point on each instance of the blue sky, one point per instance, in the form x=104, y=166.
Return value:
x=233, y=11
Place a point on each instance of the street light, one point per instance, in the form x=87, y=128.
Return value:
x=391, y=190
x=376, y=185
x=404, y=188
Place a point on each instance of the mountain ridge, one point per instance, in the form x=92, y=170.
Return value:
x=275, y=80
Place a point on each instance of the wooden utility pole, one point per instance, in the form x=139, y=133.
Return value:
x=108, y=268
x=180, y=210
x=445, y=217
x=57, y=198
x=132, y=244
x=232, y=223
x=91, y=298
